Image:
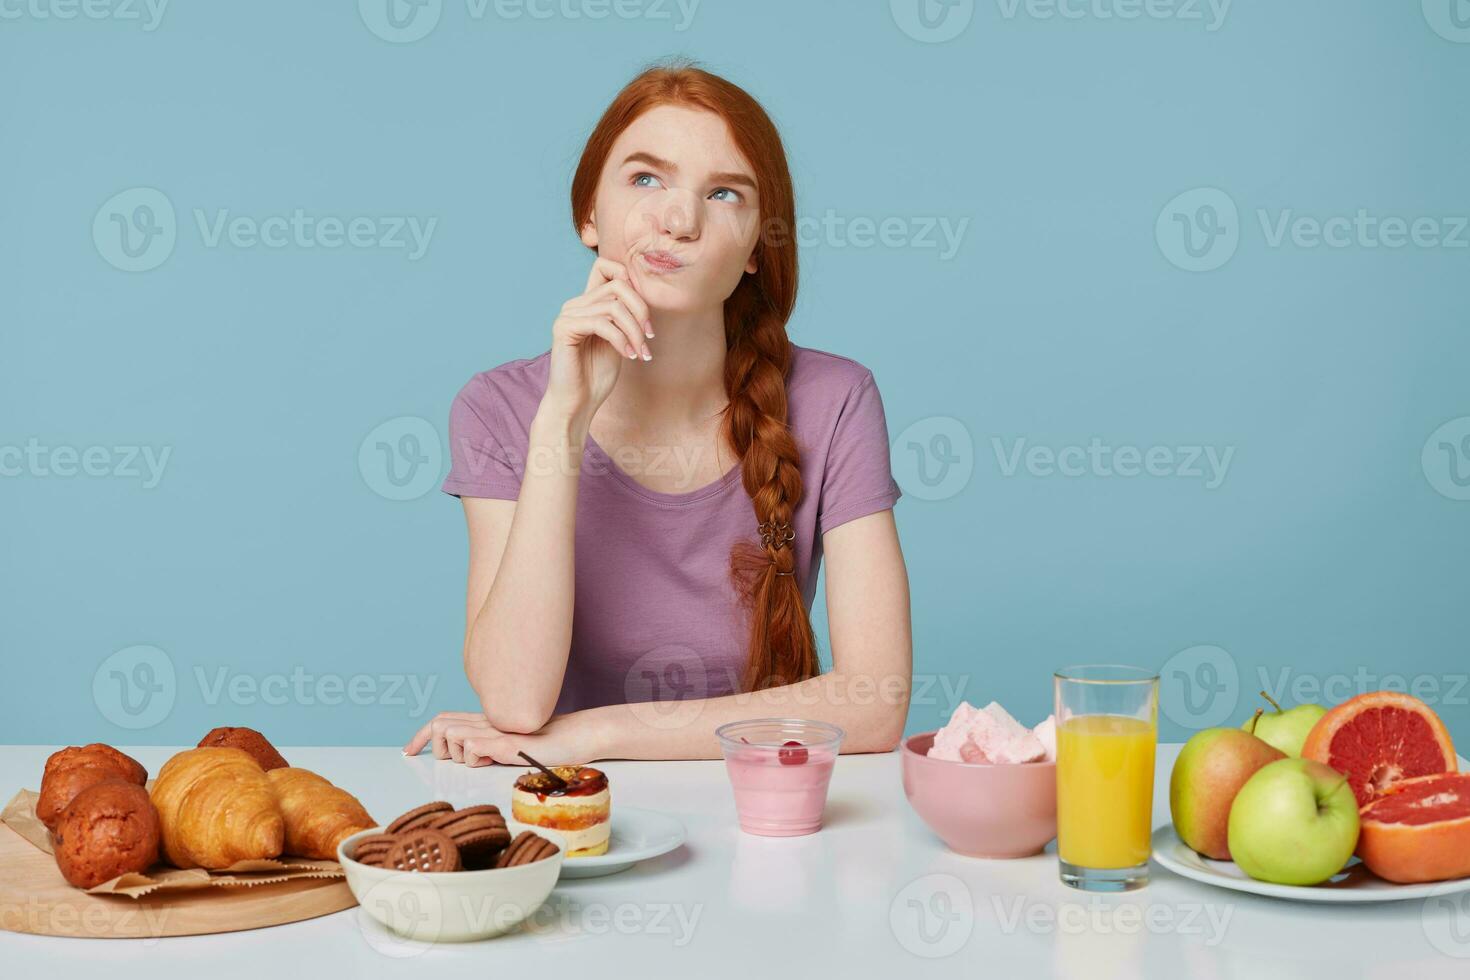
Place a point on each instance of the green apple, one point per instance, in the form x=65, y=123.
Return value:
x=1210, y=770
x=1286, y=730
x=1295, y=822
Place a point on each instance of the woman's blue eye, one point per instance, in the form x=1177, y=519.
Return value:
x=639, y=181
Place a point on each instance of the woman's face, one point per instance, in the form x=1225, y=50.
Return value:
x=676, y=204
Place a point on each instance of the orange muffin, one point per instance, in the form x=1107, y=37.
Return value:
x=578, y=810
x=248, y=740
x=110, y=829
x=97, y=754
x=73, y=769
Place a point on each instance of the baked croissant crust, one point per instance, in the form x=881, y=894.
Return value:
x=216, y=807
x=319, y=816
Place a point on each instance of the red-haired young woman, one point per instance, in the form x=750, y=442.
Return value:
x=649, y=501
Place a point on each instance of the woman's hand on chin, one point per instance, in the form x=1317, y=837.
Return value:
x=565, y=740
x=446, y=734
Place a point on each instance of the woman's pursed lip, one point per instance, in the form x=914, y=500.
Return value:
x=663, y=260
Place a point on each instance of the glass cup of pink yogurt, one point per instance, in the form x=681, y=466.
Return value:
x=779, y=769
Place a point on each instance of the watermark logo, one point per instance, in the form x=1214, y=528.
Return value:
x=940, y=233
x=136, y=687
x=300, y=687
x=666, y=687
x=1199, y=230
x=934, y=458
x=402, y=915
x=933, y=916
x=400, y=21
x=1209, y=464
x=562, y=917
x=1099, y=917
x=1446, y=919
x=147, y=13
x=932, y=21
x=135, y=230
x=1211, y=13
x=143, y=922
x=402, y=458
x=406, y=21
x=143, y=463
x=1199, y=687
x=1450, y=19
x=1288, y=687
x=1446, y=459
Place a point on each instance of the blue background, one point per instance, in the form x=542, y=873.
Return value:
x=1330, y=554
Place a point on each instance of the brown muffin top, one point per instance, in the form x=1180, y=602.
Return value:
x=247, y=740
x=97, y=754
x=110, y=829
x=61, y=786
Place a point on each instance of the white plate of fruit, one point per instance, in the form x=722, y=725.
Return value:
x=1363, y=803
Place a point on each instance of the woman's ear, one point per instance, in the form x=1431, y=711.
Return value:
x=589, y=231
x=750, y=265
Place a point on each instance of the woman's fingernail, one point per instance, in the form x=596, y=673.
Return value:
x=648, y=327
x=632, y=355
x=647, y=354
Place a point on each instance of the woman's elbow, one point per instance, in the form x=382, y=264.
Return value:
x=506, y=711
x=516, y=721
x=884, y=729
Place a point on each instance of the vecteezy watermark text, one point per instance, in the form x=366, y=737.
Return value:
x=137, y=229
x=1098, y=459
x=144, y=463
x=406, y=21
x=148, y=13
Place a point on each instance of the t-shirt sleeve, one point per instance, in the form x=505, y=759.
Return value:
x=858, y=480
x=480, y=458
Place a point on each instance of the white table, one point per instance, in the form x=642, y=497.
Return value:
x=846, y=901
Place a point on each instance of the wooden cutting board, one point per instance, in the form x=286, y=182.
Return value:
x=34, y=898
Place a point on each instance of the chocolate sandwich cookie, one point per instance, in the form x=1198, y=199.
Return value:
x=478, y=831
x=419, y=816
x=422, y=850
x=370, y=849
x=527, y=847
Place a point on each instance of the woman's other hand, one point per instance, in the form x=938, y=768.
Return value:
x=446, y=733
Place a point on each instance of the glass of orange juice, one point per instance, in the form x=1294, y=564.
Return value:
x=1107, y=729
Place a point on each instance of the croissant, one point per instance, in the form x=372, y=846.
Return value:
x=216, y=807
x=319, y=816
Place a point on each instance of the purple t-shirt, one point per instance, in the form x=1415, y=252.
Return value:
x=656, y=616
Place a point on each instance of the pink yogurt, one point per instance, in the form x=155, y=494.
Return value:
x=780, y=789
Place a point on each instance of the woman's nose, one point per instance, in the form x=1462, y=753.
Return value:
x=678, y=214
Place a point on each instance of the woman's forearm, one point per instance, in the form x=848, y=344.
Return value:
x=516, y=651
x=870, y=709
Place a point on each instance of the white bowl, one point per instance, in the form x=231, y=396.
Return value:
x=453, y=906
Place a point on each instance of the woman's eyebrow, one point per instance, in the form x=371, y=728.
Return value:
x=726, y=177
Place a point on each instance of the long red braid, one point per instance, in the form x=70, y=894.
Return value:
x=782, y=648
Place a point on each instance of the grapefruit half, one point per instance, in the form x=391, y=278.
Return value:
x=1379, y=738
x=1419, y=829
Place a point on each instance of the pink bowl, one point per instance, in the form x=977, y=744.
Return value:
x=978, y=809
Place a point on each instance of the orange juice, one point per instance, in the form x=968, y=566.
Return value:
x=1105, y=790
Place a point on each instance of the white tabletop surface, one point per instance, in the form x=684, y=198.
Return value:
x=874, y=894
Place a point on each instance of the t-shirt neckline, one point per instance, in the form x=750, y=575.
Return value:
x=732, y=475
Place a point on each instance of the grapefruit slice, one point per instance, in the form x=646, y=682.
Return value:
x=1380, y=738
x=1419, y=829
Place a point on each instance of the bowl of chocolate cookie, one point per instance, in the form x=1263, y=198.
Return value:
x=440, y=874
